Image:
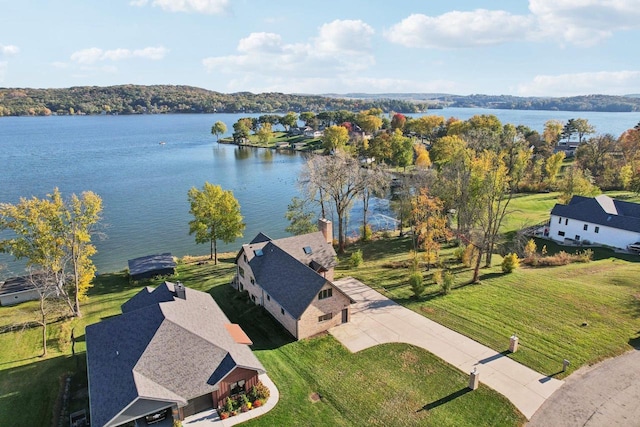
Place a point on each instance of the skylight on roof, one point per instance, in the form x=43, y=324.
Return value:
x=258, y=252
x=308, y=250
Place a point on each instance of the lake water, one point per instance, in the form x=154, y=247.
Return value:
x=144, y=184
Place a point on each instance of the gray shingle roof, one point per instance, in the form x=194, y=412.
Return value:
x=168, y=349
x=599, y=211
x=293, y=284
x=15, y=284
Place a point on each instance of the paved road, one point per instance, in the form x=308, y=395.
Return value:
x=606, y=394
x=375, y=319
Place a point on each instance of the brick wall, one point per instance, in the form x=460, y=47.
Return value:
x=309, y=324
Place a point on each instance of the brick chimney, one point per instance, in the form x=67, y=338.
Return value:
x=326, y=227
x=180, y=290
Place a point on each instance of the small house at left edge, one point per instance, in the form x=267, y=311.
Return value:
x=172, y=348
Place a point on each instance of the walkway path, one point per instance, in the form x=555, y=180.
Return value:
x=375, y=319
x=211, y=418
x=606, y=394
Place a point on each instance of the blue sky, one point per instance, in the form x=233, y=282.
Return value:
x=534, y=48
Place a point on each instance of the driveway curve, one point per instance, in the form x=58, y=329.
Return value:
x=375, y=319
x=605, y=394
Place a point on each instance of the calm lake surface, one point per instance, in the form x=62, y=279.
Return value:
x=144, y=184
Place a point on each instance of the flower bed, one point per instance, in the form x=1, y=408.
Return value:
x=244, y=402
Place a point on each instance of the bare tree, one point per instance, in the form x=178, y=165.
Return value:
x=339, y=179
x=51, y=304
x=376, y=182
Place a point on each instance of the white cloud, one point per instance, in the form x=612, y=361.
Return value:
x=87, y=56
x=212, y=7
x=342, y=36
x=260, y=42
x=609, y=82
x=95, y=54
x=8, y=49
x=341, y=47
x=585, y=22
x=459, y=29
x=578, y=22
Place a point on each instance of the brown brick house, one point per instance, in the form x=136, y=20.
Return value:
x=292, y=279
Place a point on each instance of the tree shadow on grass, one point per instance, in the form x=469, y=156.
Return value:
x=444, y=400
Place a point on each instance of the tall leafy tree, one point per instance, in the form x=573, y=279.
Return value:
x=576, y=181
x=216, y=214
x=552, y=132
x=82, y=215
x=401, y=149
x=582, y=128
x=54, y=236
x=335, y=137
x=429, y=224
x=289, y=120
x=264, y=133
x=218, y=128
x=300, y=219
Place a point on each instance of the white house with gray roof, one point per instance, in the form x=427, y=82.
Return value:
x=292, y=279
x=171, y=348
x=599, y=220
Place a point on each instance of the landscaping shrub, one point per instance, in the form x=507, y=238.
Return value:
x=224, y=415
x=561, y=258
x=586, y=255
x=468, y=255
x=356, y=259
x=366, y=233
x=510, y=262
x=259, y=391
x=257, y=403
x=228, y=405
x=437, y=277
x=458, y=253
x=530, y=248
x=448, y=280
x=417, y=284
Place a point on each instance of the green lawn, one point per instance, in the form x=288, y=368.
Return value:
x=391, y=384
x=545, y=307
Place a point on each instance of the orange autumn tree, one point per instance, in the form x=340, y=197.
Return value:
x=430, y=225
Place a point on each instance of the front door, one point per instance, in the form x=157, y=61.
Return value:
x=345, y=315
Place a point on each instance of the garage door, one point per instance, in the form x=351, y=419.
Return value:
x=198, y=404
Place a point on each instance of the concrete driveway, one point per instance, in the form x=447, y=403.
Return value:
x=375, y=319
x=606, y=394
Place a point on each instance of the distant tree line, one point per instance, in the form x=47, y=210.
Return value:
x=159, y=99
x=602, y=103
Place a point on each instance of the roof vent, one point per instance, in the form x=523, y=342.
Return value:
x=180, y=291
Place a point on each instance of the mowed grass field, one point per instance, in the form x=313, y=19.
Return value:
x=389, y=385
x=581, y=312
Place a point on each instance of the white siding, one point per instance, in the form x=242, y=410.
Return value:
x=606, y=236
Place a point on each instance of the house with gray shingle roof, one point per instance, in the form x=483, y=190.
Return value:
x=292, y=278
x=599, y=220
x=172, y=348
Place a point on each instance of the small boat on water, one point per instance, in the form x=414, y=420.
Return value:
x=162, y=142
